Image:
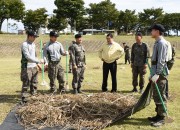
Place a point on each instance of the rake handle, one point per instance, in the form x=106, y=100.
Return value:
x=41, y=47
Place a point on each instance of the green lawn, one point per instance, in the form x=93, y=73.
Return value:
x=10, y=87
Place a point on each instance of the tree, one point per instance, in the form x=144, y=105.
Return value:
x=36, y=19
x=72, y=10
x=83, y=23
x=57, y=24
x=167, y=22
x=13, y=9
x=127, y=20
x=103, y=14
x=150, y=16
x=175, y=22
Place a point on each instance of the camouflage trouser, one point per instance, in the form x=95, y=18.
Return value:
x=56, y=70
x=127, y=58
x=162, y=88
x=138, y=71
x=78, y=77
x=29, y=77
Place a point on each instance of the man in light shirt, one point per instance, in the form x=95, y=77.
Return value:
x=29, y=62
x=109, y=54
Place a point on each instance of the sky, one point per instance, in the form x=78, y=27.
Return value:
x=169, y=6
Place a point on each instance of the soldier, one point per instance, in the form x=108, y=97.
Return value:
x=159, y=73
x=52, y=56
x=78, y=61
x=70, y=60
x=127, y=53
x=29, y=63
x=109, y=54
x=139, y=54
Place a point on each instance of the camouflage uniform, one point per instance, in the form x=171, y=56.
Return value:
x=29, y=72
x=139, y=54
x=70, y=59
x=52, y=56
x=159, y=67
x=127, y=54
x=79, y=60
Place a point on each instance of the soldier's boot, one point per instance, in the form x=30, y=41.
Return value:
x=141, y=90
x=159, y=122
x=62, y=88
x=135, y=89
x=24, y=95
x=79, y=90
x=53, y=89
x=33, y=91
x=154, y=119
x=75, y=91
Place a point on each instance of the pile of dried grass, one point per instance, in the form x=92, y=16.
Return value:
x=94, y=111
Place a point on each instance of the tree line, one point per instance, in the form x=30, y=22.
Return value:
x=102, y=15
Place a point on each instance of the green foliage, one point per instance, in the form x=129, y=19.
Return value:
x=72, y=10
x=102, y=14
x=33, y=20
x=57, y=24
x=150, y=16
x=83, y=23
x=127, y=20
x=13, y=9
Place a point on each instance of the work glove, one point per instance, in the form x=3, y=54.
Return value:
x=42, y=61
x=155, y=78
x=67, y=52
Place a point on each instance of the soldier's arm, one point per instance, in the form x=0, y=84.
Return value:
x=132, y=54
x=72, y=55
x=147, y=55
x=27, y=54
x=173, y=52
x=45, y=54
x=162, y=51
x=62, y=51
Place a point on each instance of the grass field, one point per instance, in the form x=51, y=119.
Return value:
x=10, y=84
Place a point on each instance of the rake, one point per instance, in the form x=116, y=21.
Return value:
x=167, y=119
x=44, y=83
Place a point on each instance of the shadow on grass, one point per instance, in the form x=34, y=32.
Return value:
x=133, y=122
x=126, y=91
x=9, y=98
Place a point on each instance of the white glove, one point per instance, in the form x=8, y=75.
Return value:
x=67, y=52
x=155, y=78
x=46, y=64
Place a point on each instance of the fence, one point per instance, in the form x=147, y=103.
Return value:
x=10, y=44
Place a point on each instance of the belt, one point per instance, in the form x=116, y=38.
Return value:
x=55, y=62
x=154, y=62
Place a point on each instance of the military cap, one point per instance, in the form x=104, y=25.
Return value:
x=53, y=34
x=78, y=36
x=32, y=33
x=139, y=34
x=158, y=27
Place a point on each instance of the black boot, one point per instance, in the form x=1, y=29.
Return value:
x=159, y=122
x=79, y=90
x=154, y=119
x=135, y=90
x=75, y=91
x=53, y=90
